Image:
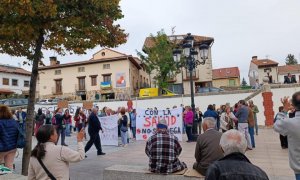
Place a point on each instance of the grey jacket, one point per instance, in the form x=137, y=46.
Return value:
x=242, y=114
x=290, y=127
x=207, y=150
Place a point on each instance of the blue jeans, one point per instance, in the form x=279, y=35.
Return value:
x=68, y=129
x=134, y=132
x=124, y=137
x=297, y=176
x=251, y=132
x=61, y=132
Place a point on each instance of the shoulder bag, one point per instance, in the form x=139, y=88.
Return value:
x=46, y=170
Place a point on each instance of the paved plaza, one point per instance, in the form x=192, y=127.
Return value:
x=268, y=155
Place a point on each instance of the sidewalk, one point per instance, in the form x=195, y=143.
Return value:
x=268, y=155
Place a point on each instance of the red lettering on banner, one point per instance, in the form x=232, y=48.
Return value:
x=147, y=122
x=173, y=120
x=153, y=121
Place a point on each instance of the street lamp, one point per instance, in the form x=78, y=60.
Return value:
x=190, y=53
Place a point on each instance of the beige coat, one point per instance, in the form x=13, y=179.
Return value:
x=56, y=160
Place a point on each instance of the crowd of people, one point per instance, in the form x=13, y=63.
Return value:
x=231, y=128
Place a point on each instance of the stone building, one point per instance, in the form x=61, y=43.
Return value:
x=107, y=75
x=226, y=77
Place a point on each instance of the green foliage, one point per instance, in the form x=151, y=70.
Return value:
x=244, y=83
x=159, y=57
x=290, y=60
x=67, y=26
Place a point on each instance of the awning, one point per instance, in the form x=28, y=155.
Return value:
x=6, y=91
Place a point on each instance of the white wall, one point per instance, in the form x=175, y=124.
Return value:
x=17, y=89
x=281, y=77
x=200, y=101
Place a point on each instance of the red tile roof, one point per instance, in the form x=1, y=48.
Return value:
x=178, y=39
x=264, y=62
x=13, y=70
x=224, y=73
x=283, y=70
x=6, y=91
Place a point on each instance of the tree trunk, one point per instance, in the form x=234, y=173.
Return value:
x=31, y=101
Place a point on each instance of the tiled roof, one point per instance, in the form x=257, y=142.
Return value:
x=13, y=70
x=93, y=61
x=178, y=39
x=223, y=73
x=264, y=62
x=283, y=70
x=6, y=91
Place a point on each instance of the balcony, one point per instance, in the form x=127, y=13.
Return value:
x=57, y=91
x=80, y=90
x=186, y=76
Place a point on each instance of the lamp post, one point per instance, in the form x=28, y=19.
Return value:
x=190, y=54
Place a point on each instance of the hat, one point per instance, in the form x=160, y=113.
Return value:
x=162, y=123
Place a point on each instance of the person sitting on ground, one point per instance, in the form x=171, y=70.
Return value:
x=290, y=127
x=8, y=137
x=56, y=158
x=207, y=148
x=163, y=150
x=234, y=165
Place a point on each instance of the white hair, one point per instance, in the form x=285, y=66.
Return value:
x=210, y=122
x=233, y=141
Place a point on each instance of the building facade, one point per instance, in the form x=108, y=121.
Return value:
x=226, y=77
x=107, y=75
x=293, y=70
x=202, y=75
x=260, y=68
x=14, y=80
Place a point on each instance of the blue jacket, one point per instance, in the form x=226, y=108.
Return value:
x=23, y=116
x=242, y=114
x=8, y=134
x=211, y=113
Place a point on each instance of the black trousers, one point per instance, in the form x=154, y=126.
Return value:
x=188, y=130
x=283, y=141
x=94, y=139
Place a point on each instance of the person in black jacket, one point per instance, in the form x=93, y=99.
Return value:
x=234, y=165
x=60, y=126
x=93, y=130
x=8, y=137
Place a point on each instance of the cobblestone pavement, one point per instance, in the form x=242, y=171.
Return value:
x=268, y=155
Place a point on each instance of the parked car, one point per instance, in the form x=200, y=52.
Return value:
x=14, y=102
x=209, y=89
x=45, y=101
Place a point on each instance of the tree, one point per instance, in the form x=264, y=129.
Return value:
x=159, y=57
x=290, y=60
x=28, y=27
x=244, y=83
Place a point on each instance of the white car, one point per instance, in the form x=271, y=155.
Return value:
x=45, y=101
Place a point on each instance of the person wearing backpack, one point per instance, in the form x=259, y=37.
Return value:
x=60, y=125
x=39, y=120
x=8, y=137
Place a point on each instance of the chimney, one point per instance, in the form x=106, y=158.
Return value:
x=254, y=57
x=53, y=60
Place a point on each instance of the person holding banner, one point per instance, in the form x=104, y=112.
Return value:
x=163, y=150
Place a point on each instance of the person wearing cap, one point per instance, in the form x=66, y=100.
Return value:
x=163, y=150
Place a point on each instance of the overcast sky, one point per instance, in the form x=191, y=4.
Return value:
x=241, y=28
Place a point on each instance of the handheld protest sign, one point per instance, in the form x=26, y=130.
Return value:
x=87, y=105
x=63, y=104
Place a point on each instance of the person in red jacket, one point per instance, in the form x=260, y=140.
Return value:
x=68, y=121
x=80, y=119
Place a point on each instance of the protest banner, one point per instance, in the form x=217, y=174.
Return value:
x=63, y=104
x=110, y=127
x=87, y=104
x=147, y=120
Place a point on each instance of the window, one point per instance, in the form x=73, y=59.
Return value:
x=81, y=69
x=81, y=82
x=268, y=69
x=193, y=73
x=103, y=54
x=26, y=83
x=106, y=78
x=14, y=82
x=106, y=66
x=58, y=86
x=94, y=80
x=5, y=81
x=231, y=82
x=57, y=72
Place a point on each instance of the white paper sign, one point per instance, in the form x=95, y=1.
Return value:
x=110, y=127
x=146, y=122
